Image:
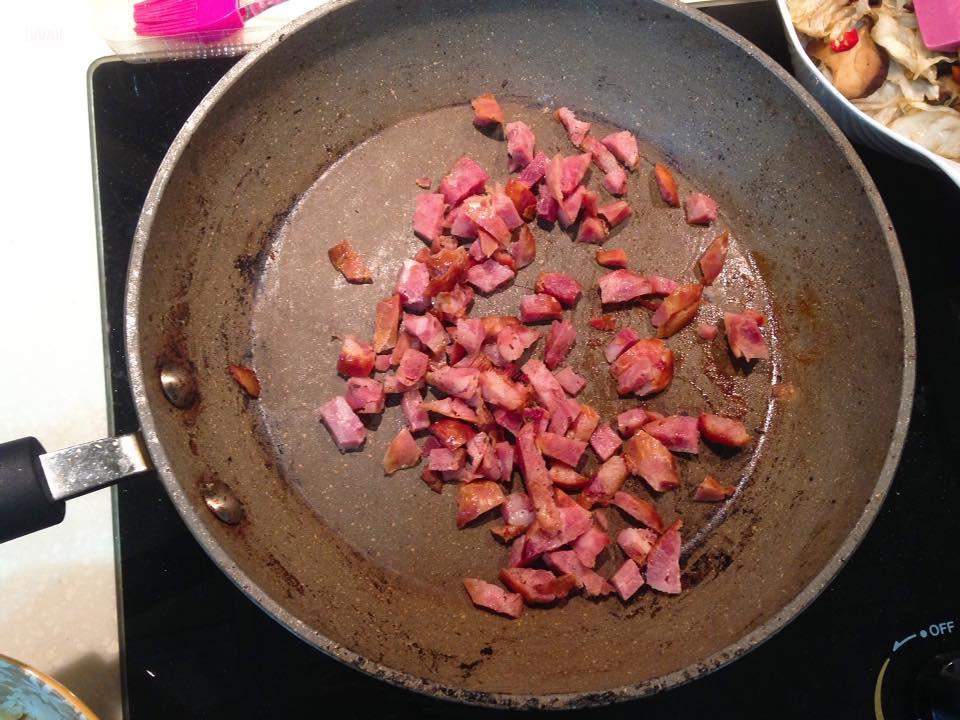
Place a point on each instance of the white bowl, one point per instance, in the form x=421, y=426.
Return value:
x=856, y=124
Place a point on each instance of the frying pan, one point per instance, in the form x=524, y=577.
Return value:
x=318, y=135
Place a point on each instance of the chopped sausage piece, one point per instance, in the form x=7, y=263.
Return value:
x=615, y=213
x=574, y=522
x=524, y=201
x=246, y=378
x=566, y=450
x=461, y=383
x=403, y=452
x=567, y=562
x=524, y=249
x=513, y=340
x=452, y=433
x=677, y=309
x=454, y=304
x=477, y=498
x=387, y=324
x=537, y=481
x=744, y=336
x=613, y=258
x=547, y=209
x=511, y=420
x=622, y=341
x=574, y=169
x=705, y=331
x=605, y=323
x=553, y=179
x=548, y=391
x=627, y=580
x=498, y=390
x=452, y=408
x=636, y=543
x=505, y=209
x=539, y=307
x=356, y=358
x=678, y=433
x=711, y=262
x=590, y=203
x=486, y=111
x=639, y=510
x=412, y=283
x=491, y=597
x=564, y=476
x=469, y=334
x=428, y=330
x=412, y=368
x=561, y=285
x=644, y=369
x=382, y=363
x=517, y=510
x=589, y=545
x=615, y=182
x=534, y=172
x=348, y=261
x=489, y=275
x=606, y=483
x=459, y=221
x=428, y=216
x=483, y=212
x=647, y=457
x=560, y=340
x=724, y=431
x=623, y=145
x=605, y=441
x=663, y=562
x=623, y=285
x=413, y=412
x=584, y=423
x=365, y=396
x=629, y=421
x=441, y=459
x=667, y=185
x=520, y=143
x=576, y=129
x=537, y=587
x=343, y=424
x=602, y=157
x=570, y=207
x=505, y=458
x=701, y=209
x=465, y=178
x=592, y=231
x=710, y=490
x=570, y=381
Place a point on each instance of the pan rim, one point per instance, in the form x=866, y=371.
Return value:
x=431, y=688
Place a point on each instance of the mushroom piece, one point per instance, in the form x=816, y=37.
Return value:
x=857, y=72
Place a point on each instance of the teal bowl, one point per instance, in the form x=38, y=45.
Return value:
x=28, y=694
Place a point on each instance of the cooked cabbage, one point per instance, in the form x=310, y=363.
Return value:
x=825, y=18
x=935, y=127
x=897, y=33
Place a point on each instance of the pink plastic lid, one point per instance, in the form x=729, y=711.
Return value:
x=939, y=22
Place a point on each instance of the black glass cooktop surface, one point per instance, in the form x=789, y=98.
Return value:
x=195, y=647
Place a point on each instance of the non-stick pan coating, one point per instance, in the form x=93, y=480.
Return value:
x=329, y=545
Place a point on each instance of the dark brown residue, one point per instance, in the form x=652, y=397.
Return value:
x=289, y=579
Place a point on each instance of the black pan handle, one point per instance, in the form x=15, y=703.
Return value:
x=35, y=484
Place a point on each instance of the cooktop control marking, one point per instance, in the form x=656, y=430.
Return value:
x=937, y=629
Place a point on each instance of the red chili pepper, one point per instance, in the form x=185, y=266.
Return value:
x=848, y=40
x=955, y=71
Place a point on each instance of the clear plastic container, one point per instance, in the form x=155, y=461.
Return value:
x=114, y=20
